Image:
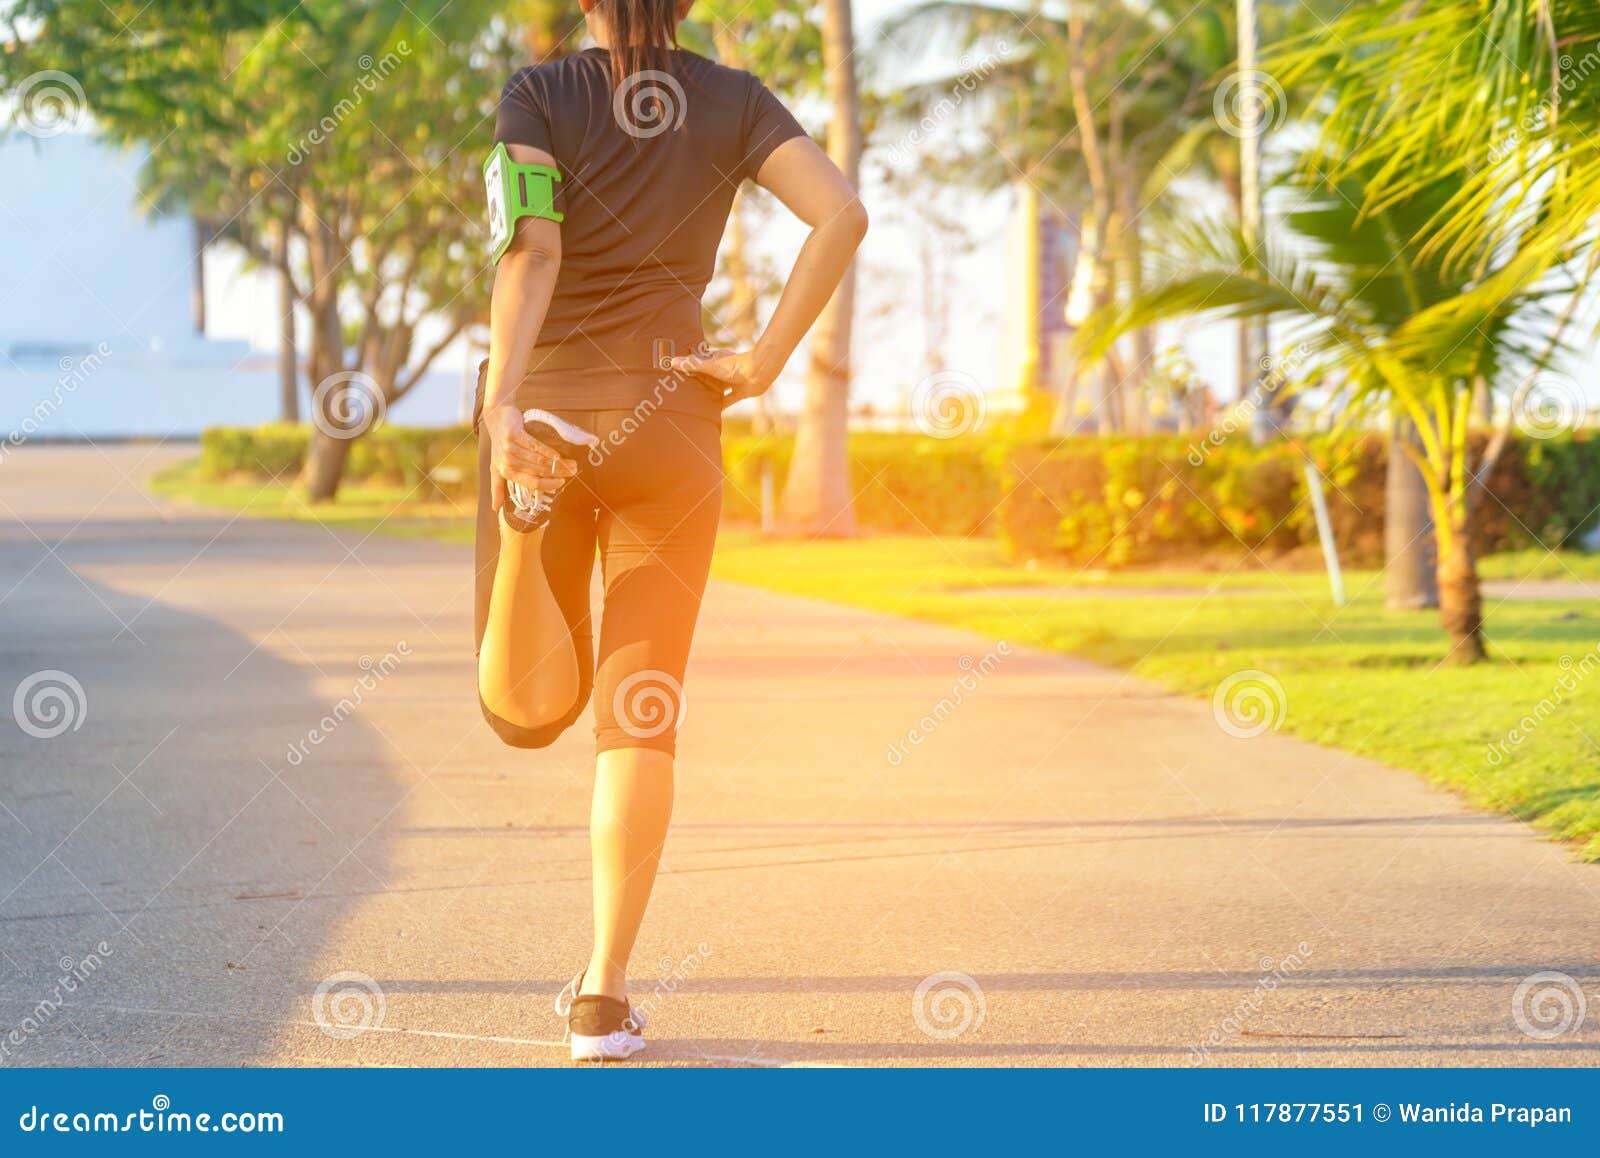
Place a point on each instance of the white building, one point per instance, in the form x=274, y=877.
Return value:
x=97, y=324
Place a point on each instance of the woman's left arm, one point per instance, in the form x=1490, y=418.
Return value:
x=523, y=284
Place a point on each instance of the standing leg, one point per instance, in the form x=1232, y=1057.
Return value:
x=627, y=831
x=661, y=496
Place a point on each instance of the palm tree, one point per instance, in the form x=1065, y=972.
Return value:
x=1498, y=96
x=1102, y=107
x=816, y=495
x=1386, y=326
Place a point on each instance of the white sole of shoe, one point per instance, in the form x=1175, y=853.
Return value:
x=610, y=1047
x=576, y=435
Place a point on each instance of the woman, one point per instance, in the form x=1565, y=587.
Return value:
x=601, y=413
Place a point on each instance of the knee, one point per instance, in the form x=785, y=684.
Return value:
x=525, y=736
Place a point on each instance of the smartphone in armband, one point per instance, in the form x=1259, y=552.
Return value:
x=515, y=191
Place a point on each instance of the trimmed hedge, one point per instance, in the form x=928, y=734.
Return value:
x=1104, y=502
x=438, y=461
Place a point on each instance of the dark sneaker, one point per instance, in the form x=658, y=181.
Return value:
x=602, y=1028
x=530, y=510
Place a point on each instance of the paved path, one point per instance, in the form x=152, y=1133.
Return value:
x=1122, y=881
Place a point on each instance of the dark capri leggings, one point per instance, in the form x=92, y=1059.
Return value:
x=647, y=501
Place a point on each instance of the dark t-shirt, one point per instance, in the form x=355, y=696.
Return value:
x=648, y=176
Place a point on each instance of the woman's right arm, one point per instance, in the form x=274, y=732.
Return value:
x=811, y=186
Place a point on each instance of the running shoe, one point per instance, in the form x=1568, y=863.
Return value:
x=530, y=509
x=601, y=1028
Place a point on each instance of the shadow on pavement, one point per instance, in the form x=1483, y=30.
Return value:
x=156, y=853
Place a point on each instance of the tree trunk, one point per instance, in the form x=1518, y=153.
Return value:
x=200, y=235
x=816, y=496
x=325, y=465
x=1080, y=302
x=1410, y=573
x=288, y=355
x=329, y=447
x=1097, y=248
x=1460, y=599
x=1483, y=402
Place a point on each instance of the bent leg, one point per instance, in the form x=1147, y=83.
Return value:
x=528, y=670
x=535, y=647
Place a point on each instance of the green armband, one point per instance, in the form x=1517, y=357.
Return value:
x=516, y=191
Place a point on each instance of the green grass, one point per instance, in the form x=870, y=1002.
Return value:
x=1538, y=564
x=1359, y=677
x=362, y=509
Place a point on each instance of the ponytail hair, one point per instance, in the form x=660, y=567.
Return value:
x=643, y=35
